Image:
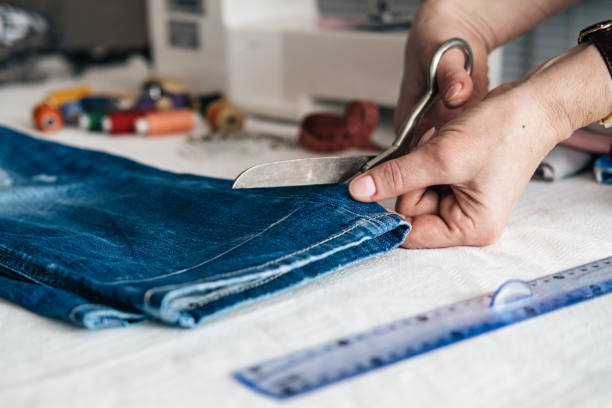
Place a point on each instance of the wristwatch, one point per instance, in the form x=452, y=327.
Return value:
x=600, y=35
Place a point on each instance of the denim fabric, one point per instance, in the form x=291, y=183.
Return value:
x=102, y=241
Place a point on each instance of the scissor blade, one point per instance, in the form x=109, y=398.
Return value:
x=300, y=172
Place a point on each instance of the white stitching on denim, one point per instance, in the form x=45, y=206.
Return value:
x=346, y=210
x=244, y=288
x=151, y=291
x=275, y=223
x=282, y=258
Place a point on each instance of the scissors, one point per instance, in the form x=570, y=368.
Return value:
x=331, y=170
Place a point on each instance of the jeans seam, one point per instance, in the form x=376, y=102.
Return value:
x=149, y=293
x=175, y=273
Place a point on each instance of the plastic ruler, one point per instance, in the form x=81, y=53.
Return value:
x=512, y=302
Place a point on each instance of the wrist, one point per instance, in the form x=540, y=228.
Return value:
x=494, y=23
x=573, y=90
x=456, y=18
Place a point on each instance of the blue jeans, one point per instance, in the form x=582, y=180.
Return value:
x=102, y=241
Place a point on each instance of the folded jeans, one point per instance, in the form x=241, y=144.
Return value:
x=102, y=241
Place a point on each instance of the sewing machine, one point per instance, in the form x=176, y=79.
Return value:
x=282, y=58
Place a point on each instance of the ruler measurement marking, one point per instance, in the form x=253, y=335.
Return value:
x=389, y=343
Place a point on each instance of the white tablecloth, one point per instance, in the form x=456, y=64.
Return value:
x=563, y=359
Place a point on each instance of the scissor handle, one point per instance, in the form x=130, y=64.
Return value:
x=407, y=128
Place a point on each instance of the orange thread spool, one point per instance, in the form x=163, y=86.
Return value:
x=47, y=118
x=221, y=115
x=229, y=119
x=157, y=123
x=213, y=110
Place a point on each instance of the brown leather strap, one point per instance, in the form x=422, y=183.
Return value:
x=604, y=45
x=600, y=35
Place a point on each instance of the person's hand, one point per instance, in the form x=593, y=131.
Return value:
x=482, y=159
x=436, y=22
x=485, y=25
x=459, y=186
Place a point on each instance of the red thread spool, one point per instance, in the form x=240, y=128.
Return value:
x=122, y=122
x=47, y=118
x=157, y=123
x=326, y=132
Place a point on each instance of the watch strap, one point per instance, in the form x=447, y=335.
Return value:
x=600, y=35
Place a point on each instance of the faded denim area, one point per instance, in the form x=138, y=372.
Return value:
x=103, y=241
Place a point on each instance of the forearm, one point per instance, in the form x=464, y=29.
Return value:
x=575, y=89
x=498, y=21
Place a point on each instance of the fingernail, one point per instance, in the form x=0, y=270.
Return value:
x=426, y=137
x=363, y=187
x=453, y=92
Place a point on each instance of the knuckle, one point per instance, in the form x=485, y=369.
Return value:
x=450, y=76
x=394, y=175
x=445, y=159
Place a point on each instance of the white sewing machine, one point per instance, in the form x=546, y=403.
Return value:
x=275, y=57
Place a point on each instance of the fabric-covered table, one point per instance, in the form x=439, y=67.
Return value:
x=562, y=359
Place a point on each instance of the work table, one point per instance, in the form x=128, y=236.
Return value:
x=561, y=359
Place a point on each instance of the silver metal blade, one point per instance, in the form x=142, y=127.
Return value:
x=300, y=172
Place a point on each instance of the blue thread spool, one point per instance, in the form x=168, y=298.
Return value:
x=98, y=104
x=603, y=170
x=71, y=112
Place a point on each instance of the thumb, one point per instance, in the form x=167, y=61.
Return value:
x=454, y=83
x=417, y=170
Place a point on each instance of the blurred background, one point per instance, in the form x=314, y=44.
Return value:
x=245, y=70
x=274, y=57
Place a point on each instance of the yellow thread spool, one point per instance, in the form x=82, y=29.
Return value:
x=59, y=97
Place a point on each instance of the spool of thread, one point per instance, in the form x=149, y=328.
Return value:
x=61, y=96
x=229, y=119
x=71, y=112
x=213, y=109
x=223, y=116
x=361, y=118
x=156, y=87
x=164, y=104
x=91, y=121
x=98, y=104
x=326, y=132
x=173, y=101
x=145, y=102
x=122, y=122
x=47, y=118
x=126, y=101
x=157, y=123
x=202, y=102
x=180, y=100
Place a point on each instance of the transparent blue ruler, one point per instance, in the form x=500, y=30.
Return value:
x=349, y=356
